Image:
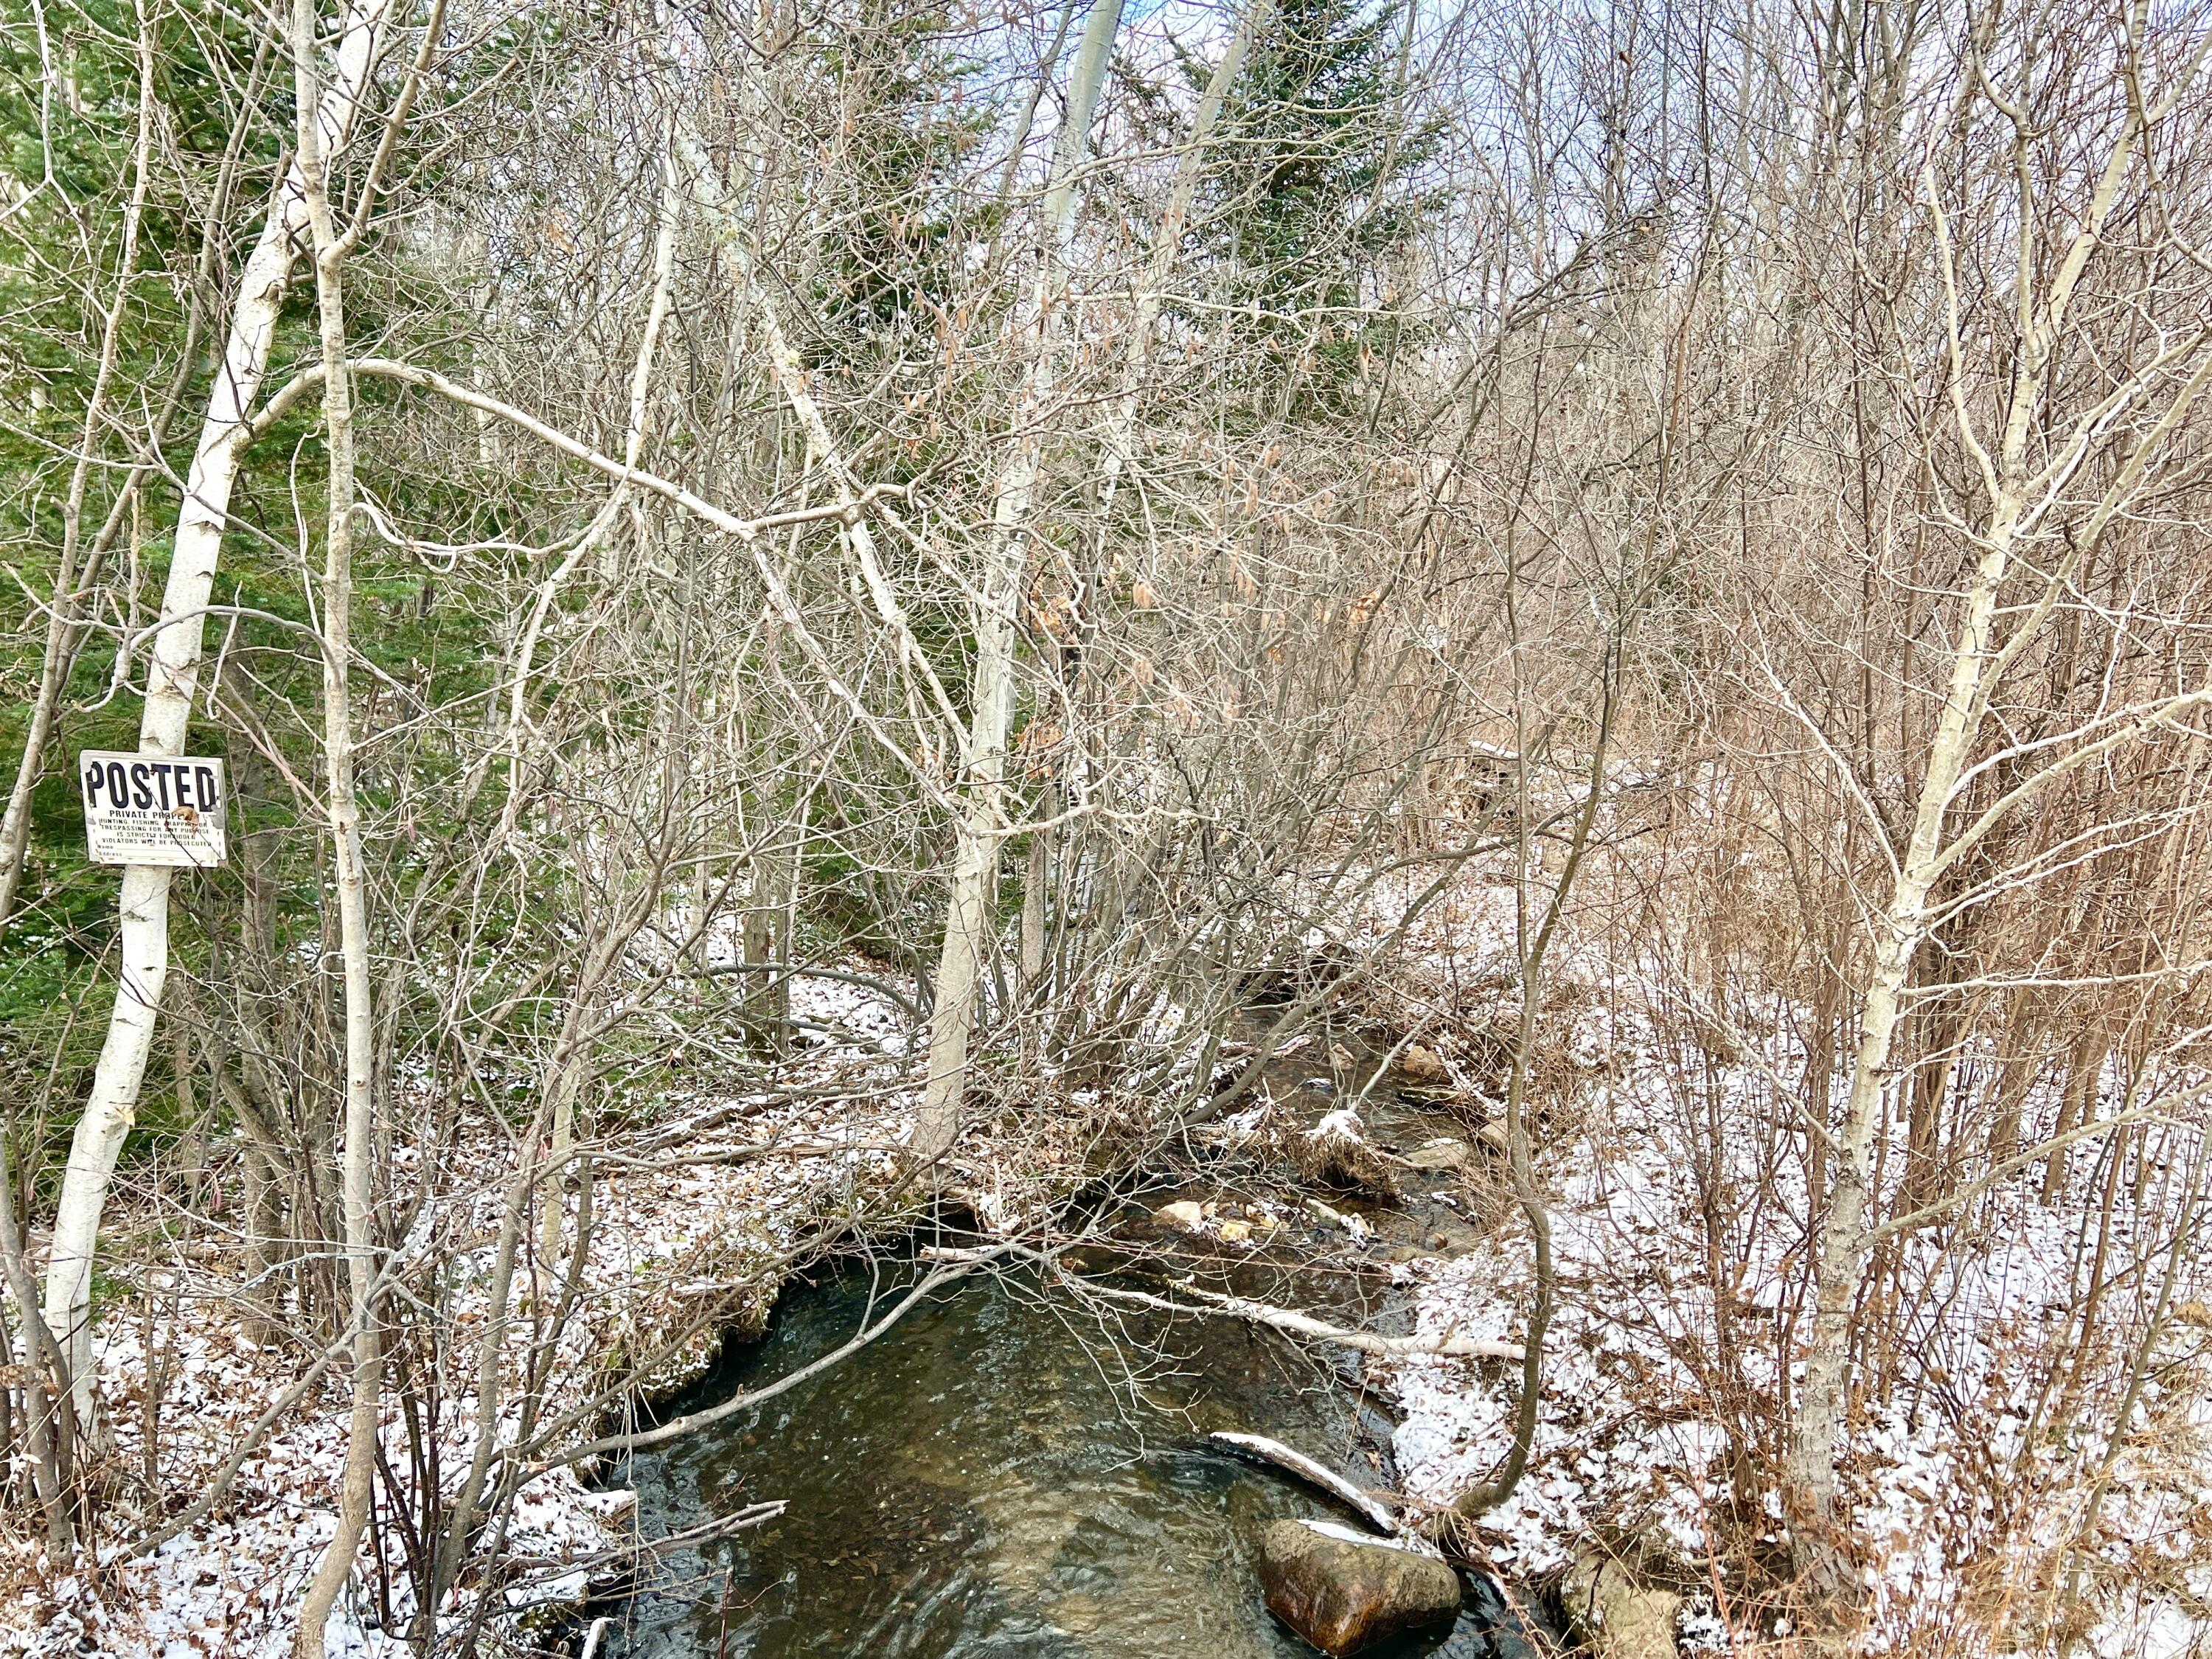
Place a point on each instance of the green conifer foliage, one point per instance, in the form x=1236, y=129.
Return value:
x=903, y=80
x=1317, y=189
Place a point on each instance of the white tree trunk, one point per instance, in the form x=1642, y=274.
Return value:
x=1167, y=246
x=1159, y=270
x=1978, y=665
x=172, y=679
x=1843, y=1243
x=356, y=1183
x=976, y=862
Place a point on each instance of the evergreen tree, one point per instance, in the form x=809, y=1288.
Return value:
x=903, y=83
x=1318, y=188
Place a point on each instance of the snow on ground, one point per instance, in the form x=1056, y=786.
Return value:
x=1644, y=1405
x=1614, y=1444
x=690, y=1237
x=1979, y=1469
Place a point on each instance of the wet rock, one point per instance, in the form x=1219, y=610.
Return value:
x=1355, y=1226
x=1187, y=1217
x=1424, y=1068
x=1344, y=1591
x=1452, y=1239
x=1446, y=1154
x=1618, y=1618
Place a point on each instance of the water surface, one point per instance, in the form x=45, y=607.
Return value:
x=1000, y=1476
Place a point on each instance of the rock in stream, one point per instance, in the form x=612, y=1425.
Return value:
x=1619, y=1617
x=1344, y=1591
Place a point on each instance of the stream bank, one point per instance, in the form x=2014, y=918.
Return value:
x=1007, y=1473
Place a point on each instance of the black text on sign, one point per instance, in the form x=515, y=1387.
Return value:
x=152, y=809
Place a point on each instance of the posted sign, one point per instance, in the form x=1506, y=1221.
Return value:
x=152, y=809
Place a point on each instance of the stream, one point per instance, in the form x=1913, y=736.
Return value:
x=999, y=1475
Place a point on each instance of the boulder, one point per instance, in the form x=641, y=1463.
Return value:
x=1423, y=1067
x=1446, y=1154
x=1344, y=1591
x=1616, y=1617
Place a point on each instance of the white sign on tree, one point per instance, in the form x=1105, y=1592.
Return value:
x=152, y=809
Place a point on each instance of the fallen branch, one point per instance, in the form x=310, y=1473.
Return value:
x=1286, y=1319
x=866, y=982
x=556, y=1575
x=1292, y=1323
x=676, y=1428
x=751, y=1151
x=1371, y=1509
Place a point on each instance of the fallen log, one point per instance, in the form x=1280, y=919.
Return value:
x=1288, y=1320
x=1370, y=1508
x=1294, y=1323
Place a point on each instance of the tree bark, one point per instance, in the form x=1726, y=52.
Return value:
x=172, y=679
x=356, y=1177
x=1167, y=247
x=1844, y=1234
x=976, y=860
x=562, y=1140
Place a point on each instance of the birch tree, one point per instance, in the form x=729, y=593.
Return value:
x=173, y=667
x=983, y=820
x=2028, y=534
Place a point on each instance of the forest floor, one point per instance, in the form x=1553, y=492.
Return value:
x=1679, y=1267
x=2018, y=1486
x=691, y=1238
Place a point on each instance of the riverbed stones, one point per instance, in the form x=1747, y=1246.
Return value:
x=1616, y=1617
x=1423, y=1068
x=1444, y=1154
x=1451, y=1239
x=1345, y=1591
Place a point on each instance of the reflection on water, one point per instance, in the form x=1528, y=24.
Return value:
x=989, y=1479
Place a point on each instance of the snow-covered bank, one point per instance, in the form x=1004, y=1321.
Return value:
x=2014, y=1482
x=693, y=1230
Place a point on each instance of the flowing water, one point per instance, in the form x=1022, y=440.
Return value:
x=990, y=1479
x=1000, y=1475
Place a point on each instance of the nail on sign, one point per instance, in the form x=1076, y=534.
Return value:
x=152, y=809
